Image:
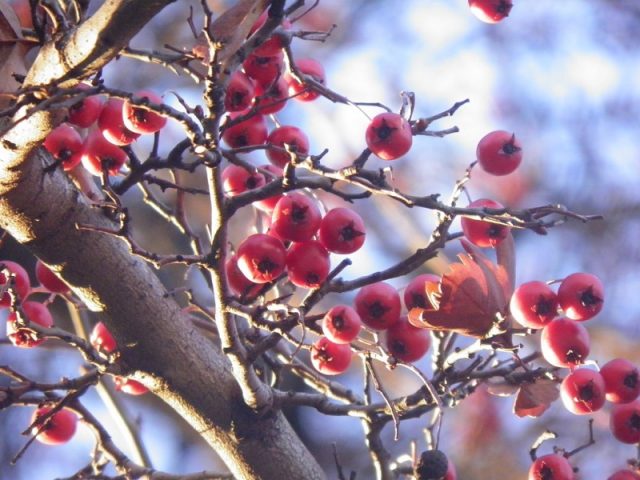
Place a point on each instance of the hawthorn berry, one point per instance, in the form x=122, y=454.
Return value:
x=272, y=98
x=624, y=422
x=112, y=126
x=389, y=136
x=22, y=284
x=583, y=391
x=65, y=144
x=406, y=342
x=273, y=45
x=551, y=467
x=378, y=305
x=308, y=264
x=237, y=282
x=330, y=358
x=622, y=384
x=246, y=133
x=139, y=119
x=415, y=295
x=483, y=233
x=341, y=324
x=296, y=217
x=499, y=153
x=58, y=429
x=268, y=204
x=261, y=258
x=237, y=180
x=101, y=339
x=533, y=304
x=24, y=337
x=309, y=68
x=239, y=92
x=564, y=343
x=130, y=386
x=581, y=296
x=294, y=137
x=490, y=11
x=624, y=475
x=342, y=231
x=264, y=70
x=50, y=280
x=98, y=154
x=84, y=113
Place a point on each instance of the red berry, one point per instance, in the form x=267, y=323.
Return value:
x=64, y=143
x=273, y=45
x=583, y=391
x=268, y=204
x=451, y=472
x=238, y=283
x=84, y=113
x=624, y=475
x=415, y=295
x=59, y=429
x=499, y=153
x=621, y=380
x=264, y=70
x=111, y=124
x=624, y=422
x=272, y=98
x=581, y=296
x=130, y=386
x=239, y=93
x=406, y=342
x=237, y=180
x=308, y=264
x=342, y=231
x=490, y=11
x=389, y=136
x=22, y=284
x=296, y=217
x=378, y=305
x=564, y=343
x=482, y=233
x=330, y=358
x=261, y=258
x=50, y=280
x=99, y=154
x=534, y=304
x=101, y=339
x=551, y=467
x=141, y=120
x=249, y=132
x=35, y=312
x=292, y=136
x=302, y=91
x=341, y=324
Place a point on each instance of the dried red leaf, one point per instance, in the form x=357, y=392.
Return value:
x=533, y=399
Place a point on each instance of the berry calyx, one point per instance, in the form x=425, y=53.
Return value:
x=112, y=126
x=294, y=137
x=534, y=304
x=483, y=233
x=624, y=422
x=583, y=391
x=341, y=324
x=621, y=379
x=499, y=153
x=142, y=120
x=564, y=343
x=308, y=264
x=490, y=11
x=581, y=296
x=330, y=358
x=50, y=280
x=261, y=258
x=64, y=144
x=378, y=305
x=98, y=154
x=415, y=295
x=58, y=429
x=389, y=136
x=342, y=231
x=551, y=467
x=24, y=337
x=22, y=284
x=296, y=217
x=406, y=342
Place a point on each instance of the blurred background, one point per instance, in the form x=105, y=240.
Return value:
x=563, y=76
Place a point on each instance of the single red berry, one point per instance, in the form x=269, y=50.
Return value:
x=268, y=204
x=499, y=153
x=296, y=140
x=50, y=280
x=342, y=231
x=378, y=305
x=480, y=232
x=261, y=258
x=64, y=143
x=264, y=70
x=551, y=467
x=415, y=295
x=139, y=119
x=581, y=296
x=624, y=422
x=249, y=132
x=239, y=93
x=272, y=98
x=130, y=386
x=389, y=136
x=330, y=358
x=624, y=475
x=308, y=264
x=111, y=124
x=59, y=428
x=238, y=283
x=273, y=45
x=621, y=380
x=583, y=391
x=534, y=304
x=406, y=342
x=99, y=154
x=302, y=91
x=564, y=343
x=237, y=180
x=22, y=284
x=34, y=312
x=296, y=217
x=341, y=324
x=84, y=113
x=490, y=11
x=101, y=339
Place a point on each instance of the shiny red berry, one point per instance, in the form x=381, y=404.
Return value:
x=389, y=136
x=330, y=358
x=293, y=137
x=84, y=113
x=342, y=231
x=534, y=304
x=296, y=217
x=621, y=380
x=99, y=154
x=238, y=283
x=583, y=391
x=268, y=204
x=581, y=296
x=341, y=324
x=378, y=305
x=264, y=70
x=415, y=295
x=273, y=45
x=624, y=475
x=272, y=98
x=34, y=312
x=261, y=258
x=480, y=232
x=111, y=124
x=564, y=343
x=50, y=280
x=406, y=342
x=58, y=429
x=139, y=119
x=237, y=180
x=490, y=11
x=308, y=68
x=308, y=264
x=130, y=386
x=101, y=339
x=249, y=132
x=22, y=284
x=239, y=92
x=64, y=143
x=551, y=467
x=624, y=422
x=499, y=153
